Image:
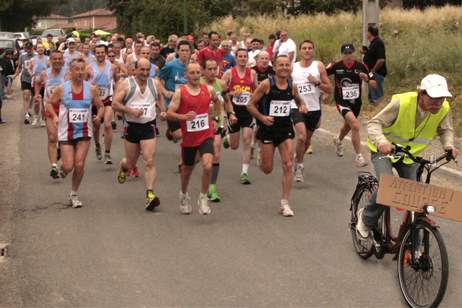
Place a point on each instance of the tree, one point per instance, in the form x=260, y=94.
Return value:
x=15, y=15
x=325, y=6
x=421, y=4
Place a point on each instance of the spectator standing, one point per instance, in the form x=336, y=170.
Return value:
x=375, y=60
x=271, y=41
x=285, y=46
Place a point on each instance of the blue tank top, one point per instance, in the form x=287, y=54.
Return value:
x=102, y=78
x=53, y=81
x=39, y=65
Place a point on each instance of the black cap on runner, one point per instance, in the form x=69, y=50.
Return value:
x=347, y=48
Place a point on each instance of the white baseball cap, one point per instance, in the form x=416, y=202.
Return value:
x=71, y=40
x=435, y=86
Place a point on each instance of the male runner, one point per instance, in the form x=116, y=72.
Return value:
x=275, y=130
x=135, y=55
x=310, y=78
x=241, y=81
x=210, y=78
x=146, y=53
x=172, y=77
x=37, y=65
x=349, y=75
x=137, y=98
x=190, y=105
x=50, y=79
x=75, y=99
x=71, y=52
x=212, y=51
x=86, y=54
x=103, y=74
x=26, y=78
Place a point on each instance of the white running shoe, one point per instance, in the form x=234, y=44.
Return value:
x=185, y=204
x=361, y=228
x=74, y=200
x=338, y=147
x=299, y=174
x=107, y=159
x=34, y=121
x=203, y=203
x=42, y=123
x=285, y=209
x=360, y=161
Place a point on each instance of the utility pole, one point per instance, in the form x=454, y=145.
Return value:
x=371, y=9
x=185, y=20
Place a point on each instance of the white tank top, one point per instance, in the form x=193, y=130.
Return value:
x=145, y=101
x=307, y=91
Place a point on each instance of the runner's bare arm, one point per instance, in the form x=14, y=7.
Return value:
x=261, y=90
x=39, y=83
x=254, y=79
x=55, y=100
x=96, y=102
x=216, y=102
x=30, y=67
x=326, y=85
x=298, y=101
x=115, y=74
x=88, y=73
x=160, y=98
x=173, y=107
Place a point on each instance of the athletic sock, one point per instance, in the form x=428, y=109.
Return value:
x=215, y=170
x=107, y=151
x=245, y=168
x=300, y=165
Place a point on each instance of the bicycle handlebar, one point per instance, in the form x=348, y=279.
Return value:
x=399, y=150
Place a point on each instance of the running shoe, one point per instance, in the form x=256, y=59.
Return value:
x=338, y=147
x=34, y=121
x=121, y=176
x=285, y=209
x=42, y=123
x=361, y=161
x=27, y=118
x=54, y=172
x=245, y=179
x=203, y=203
x=152, y=201
x=213, y=194
x=99, y=156
x=114, y=125
x=107, y=159
x=185, y=204
x=226, y=142
x=309, y=151
x=299, y=174
x=2, y=122
x=74, y=201
x=62, y=174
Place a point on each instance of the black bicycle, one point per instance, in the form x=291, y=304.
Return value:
x=418, y=246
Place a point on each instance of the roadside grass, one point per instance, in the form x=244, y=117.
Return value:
x=417, y=42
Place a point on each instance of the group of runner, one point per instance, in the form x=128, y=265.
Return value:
x=259, y=104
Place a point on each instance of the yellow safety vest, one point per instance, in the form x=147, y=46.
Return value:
x=403, y=130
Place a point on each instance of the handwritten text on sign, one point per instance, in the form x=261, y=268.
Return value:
x=413, y=196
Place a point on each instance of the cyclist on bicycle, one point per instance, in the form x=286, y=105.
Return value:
x=411, y=119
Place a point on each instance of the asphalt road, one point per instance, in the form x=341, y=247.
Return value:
x=112, y=253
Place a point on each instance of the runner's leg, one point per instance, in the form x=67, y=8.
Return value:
x=52, y=140
x=267, y=157
x=286, y=152
x=354, y=125
x=302, y=138
x=148, y=150
x=108, y=114
x=207, y=159
x=81, y=150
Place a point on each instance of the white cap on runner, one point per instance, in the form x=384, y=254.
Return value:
x=435, y=86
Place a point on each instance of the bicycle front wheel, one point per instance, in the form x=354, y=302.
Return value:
x=423, y=266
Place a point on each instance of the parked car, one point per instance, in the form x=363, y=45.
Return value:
x=21, y=35
x=6, y=43
x=7, y=34
x=55, y=32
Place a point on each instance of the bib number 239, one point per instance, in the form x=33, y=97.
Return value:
x=200, y=123
x=78, y=115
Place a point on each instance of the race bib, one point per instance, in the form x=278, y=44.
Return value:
x=103, y=92
x=78, y=115
x=146, y=107
x=305, y=88
x=279, y=108
x=242, y=99
x=49, y=90
x=351, y=92
x=199, y=123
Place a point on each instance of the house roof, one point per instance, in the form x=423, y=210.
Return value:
x=97, y=12
x=54, y=16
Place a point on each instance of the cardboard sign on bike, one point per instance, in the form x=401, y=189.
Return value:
x=413, y=196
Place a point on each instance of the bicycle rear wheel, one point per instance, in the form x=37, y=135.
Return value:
x=423, y=281
x=363, y=247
